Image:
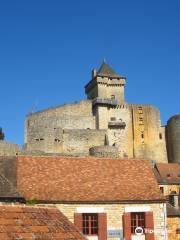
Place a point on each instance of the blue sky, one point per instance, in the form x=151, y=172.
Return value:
x=48, y=48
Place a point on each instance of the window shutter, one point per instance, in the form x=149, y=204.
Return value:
x=102, y=226
x=149, y=225
x=78, y=221
x=127, y=226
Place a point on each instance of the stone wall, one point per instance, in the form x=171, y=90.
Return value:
x=142, y=136
x=149, y=136
x=170, y=188
x=114, y=215
x=173, y=139
x=104, y=152
x=173, y=228
x=78, y=142
x=49, y=131
x=8, y=149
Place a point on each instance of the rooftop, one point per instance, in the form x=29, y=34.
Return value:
x=23, y=222
x=106, y=71
x=167, y=173
x=88, y=179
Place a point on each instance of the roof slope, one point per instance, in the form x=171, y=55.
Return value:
x=85, y=179
x=172, y=211
x=22, y=222
x=167, y=173
x=7, y=189
x=106, y=71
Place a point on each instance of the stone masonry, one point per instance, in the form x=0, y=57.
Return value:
x=104, y=120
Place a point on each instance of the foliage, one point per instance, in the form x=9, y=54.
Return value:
x=2, y=136
x=31, y=201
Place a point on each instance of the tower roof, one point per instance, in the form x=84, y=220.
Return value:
x=106, y=71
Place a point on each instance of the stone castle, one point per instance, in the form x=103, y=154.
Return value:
x=104, y=125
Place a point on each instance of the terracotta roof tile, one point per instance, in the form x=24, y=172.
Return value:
x=167, y=173
x=26, y=223
x=48, y=178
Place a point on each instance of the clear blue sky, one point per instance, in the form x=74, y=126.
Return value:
x=48, y=48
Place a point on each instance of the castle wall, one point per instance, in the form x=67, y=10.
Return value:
x=80, y=141
x=122, y=138
x=44, y=130
x=8, y=149
x=173, y=139
x=149, y=136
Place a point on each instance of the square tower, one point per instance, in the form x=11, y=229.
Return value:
x=106, y=84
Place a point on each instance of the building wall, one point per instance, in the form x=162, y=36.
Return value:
x=115, y=212
x=170, y=188
x=142, y=137
x=8, y=149
x=64, y=129
x=173, y=226
x=149, y=136
x=173, y=139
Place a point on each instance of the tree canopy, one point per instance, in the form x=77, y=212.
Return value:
x=1, y=134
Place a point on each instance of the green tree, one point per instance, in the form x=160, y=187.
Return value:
x=1, y=134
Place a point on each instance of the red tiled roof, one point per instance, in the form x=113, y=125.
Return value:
x=87, y=179
x=28, y=223
x=167, y=173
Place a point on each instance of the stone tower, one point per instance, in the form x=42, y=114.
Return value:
x=106, y=84
x=173, y=138
x=103, y=124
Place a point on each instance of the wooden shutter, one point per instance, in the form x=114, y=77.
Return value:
x=127, y=226
x=78, y=221
x=102, y=226
x=149, y=225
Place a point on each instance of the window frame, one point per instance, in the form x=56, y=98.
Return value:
x=137, y=220
x=90, y=225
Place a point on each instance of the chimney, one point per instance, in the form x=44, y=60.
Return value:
x=94, y=73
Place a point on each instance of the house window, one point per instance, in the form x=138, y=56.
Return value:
x=90, y=223
x=137, y=220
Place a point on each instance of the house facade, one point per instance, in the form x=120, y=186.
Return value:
x=168, y=178
x=104, y=198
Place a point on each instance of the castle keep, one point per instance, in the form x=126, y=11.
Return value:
x=104, y=125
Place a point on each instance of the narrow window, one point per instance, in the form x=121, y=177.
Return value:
x=57, y=140
x=112, y=96
x=90, y=223
x=142, y=135
x=160, y=135
x=162, y=189
x=113, y=119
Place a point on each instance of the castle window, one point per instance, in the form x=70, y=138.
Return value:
x=142, y=135
x=41, y=139
x=113, y=119
x=57, y=140
x=160, y=135
x=177, y=230
x=112, y=96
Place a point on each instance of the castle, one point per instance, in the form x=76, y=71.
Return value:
x=104, y=125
